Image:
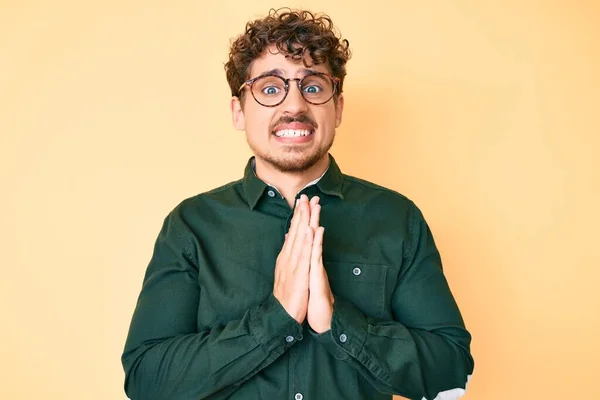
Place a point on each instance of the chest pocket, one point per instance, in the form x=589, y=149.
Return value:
x=361, y=284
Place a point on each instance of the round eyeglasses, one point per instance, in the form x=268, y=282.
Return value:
x=270, y=90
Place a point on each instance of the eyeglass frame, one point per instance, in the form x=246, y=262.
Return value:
x=286, y=82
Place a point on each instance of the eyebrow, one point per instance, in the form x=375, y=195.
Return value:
x=302, y=71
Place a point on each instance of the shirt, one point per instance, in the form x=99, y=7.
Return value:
x=253, y=163
x=207, y=326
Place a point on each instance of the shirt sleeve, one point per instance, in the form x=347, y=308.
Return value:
x=424, y=353
x=165, y=357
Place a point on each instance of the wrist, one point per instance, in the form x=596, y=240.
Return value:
x=324, y=323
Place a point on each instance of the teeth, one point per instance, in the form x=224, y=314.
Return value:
x=292, y=133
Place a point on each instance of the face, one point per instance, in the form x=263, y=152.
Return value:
x=295, y=135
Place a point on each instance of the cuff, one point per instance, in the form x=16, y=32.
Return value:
x=348, y=331
x=273, y=327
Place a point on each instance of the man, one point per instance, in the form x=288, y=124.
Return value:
x=297, y=281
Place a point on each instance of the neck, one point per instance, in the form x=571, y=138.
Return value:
x=290, y=183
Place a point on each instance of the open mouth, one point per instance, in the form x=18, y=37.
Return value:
x=291, y=133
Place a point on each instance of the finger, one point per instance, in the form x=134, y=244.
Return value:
x=299, y=240
x=315, y=212
x=305, y=206
x=301, y=223
x=305, y=254
x=314, y=200
x=314, y=219
x=318, y=281
x=293, y=231
x=317, y=249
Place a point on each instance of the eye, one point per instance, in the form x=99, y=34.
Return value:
x=268, y=86
x=311, y=89
x=271, y=90
x=316, y=85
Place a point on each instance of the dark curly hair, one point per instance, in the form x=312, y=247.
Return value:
x=295, y=34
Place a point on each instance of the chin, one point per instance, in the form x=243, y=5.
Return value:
x=294, y=163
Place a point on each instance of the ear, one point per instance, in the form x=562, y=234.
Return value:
x=339, y=110
x=237, y=114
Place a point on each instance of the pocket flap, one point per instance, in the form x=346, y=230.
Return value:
x=362, y=284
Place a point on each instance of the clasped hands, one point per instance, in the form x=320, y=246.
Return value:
x=301, y=284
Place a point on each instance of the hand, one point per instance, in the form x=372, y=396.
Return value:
x=293, y=263
x=320, y=300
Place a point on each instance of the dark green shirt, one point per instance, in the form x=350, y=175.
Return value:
x=207, y=326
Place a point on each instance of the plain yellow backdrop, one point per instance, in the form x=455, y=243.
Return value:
x=485, y=113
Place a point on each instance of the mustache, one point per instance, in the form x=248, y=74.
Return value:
x=303, y=119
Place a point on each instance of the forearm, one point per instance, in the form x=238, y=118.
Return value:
x=210, y=364
x=413, y=363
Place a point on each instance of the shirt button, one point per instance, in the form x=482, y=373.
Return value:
x=289, y=339
x=298, y=396
x=271, y=193
x=343, y=338
x=356, y=271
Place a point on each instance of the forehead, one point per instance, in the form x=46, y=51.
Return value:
x=272, y=59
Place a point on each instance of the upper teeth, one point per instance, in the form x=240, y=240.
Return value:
x=292, y=133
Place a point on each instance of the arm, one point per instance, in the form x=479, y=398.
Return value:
x=165, y=357
x=425, y=352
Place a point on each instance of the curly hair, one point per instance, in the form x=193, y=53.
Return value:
x=295, y=34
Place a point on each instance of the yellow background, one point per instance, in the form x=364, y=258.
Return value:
x=485, y=113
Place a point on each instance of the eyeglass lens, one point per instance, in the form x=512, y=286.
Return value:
x=270, y=90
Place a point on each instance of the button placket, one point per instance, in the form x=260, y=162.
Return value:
x=293, y=361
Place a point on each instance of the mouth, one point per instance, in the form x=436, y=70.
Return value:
x=293, y=133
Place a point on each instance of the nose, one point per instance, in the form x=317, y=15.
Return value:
x=294, y=103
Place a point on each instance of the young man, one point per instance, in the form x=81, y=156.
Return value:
x=297, y=281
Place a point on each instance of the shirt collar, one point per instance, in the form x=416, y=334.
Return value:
x=329, y=183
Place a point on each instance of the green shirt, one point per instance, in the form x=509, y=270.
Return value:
x=207, y=326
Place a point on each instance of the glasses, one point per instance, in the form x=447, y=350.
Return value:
x=270, y=90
